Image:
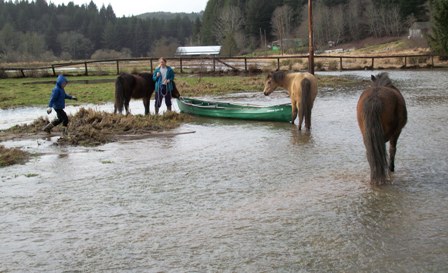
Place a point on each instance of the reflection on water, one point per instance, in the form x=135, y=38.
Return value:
x=237, y=196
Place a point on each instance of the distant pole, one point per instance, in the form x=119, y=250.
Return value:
x=310, y=38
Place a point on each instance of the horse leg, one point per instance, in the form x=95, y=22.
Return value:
x=392, y=150
x=126, y=105
x=293, y=114
x=300, y=119
x=146, y=104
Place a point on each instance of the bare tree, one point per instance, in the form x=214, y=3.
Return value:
x=373, y=21
x=282, y=23
x=393, y=21
x=353, y=19
x=227, y=28
x=338, y=24
x=329, y=24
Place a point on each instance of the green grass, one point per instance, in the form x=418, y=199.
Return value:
x=32, y=92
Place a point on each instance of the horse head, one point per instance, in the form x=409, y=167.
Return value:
x=270, y=84
x=382, y=79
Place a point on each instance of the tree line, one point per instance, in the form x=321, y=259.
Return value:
x=256, y=21
x=39, y=30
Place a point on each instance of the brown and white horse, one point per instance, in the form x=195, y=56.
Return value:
x=302, y=89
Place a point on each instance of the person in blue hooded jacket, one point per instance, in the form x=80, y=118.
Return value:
x=57, y=102
x=163, y=76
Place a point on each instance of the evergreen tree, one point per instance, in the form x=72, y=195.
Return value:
x=439, y=37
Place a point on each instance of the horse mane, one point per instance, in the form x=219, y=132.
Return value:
x=382, y=79
x=277, y=76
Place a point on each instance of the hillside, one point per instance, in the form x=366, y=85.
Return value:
x=384, y=46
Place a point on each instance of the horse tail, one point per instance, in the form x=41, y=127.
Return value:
x=175, y=93
x=306, y=102
x=374, y=139
x=119, y=95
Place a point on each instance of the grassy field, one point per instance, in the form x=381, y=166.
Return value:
x=19, y=92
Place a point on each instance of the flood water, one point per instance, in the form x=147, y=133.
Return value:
x=237, y=196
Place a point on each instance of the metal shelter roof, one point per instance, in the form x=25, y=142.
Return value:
x=197, y=50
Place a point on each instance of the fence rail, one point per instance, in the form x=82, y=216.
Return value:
x=215, y=64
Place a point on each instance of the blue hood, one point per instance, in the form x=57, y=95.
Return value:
x=61, y=79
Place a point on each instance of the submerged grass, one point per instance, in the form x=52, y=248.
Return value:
x=11, y=156
x=92, y=128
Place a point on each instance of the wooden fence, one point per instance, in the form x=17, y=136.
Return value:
x=217, y=64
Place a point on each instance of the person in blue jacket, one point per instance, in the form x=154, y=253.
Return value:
x=163, y=76
x=57, y=101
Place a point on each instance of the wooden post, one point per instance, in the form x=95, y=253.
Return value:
x=180, y=61
x=373, y=60
x=54, y=71
x=214, y=65
x=340, y=63
x=118, y=67
x=278, y=63
x=245, y=64
x=310, y=38
x=85, y=69
x=152, y=68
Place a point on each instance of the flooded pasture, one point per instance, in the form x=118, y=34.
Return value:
x=236, y=196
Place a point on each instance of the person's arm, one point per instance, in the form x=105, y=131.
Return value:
x=53, y=97
x=156, y=74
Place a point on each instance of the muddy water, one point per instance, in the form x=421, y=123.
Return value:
x=238, y=196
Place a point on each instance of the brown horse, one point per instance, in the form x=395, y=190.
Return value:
x=302, y=89
x=381, y=114
x=137, y=86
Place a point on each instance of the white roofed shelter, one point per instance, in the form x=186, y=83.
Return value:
x=198, y=50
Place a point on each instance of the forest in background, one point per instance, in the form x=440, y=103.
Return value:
x=41, y=31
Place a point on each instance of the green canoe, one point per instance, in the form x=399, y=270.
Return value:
x=281, y=112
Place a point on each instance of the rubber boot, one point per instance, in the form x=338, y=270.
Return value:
x=48, y=128
x=157, y=110
x=64, y=131
x=168, y=108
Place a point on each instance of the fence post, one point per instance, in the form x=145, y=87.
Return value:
x=432, y=61
x=340, y=64
x=85, y=69
x=118, y=67
x=214, y=64
x=245, y=64
x=23, y=72
x=54, y=71
x=373, y=62
x=152, y=69
x=181, y=69
x=278, y=63
x=405, y=61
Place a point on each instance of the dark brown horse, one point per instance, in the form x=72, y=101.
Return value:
x=137, y=86
x=381, y=114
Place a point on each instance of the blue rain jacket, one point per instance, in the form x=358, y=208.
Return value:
x=169, y=76
x=58, y=95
